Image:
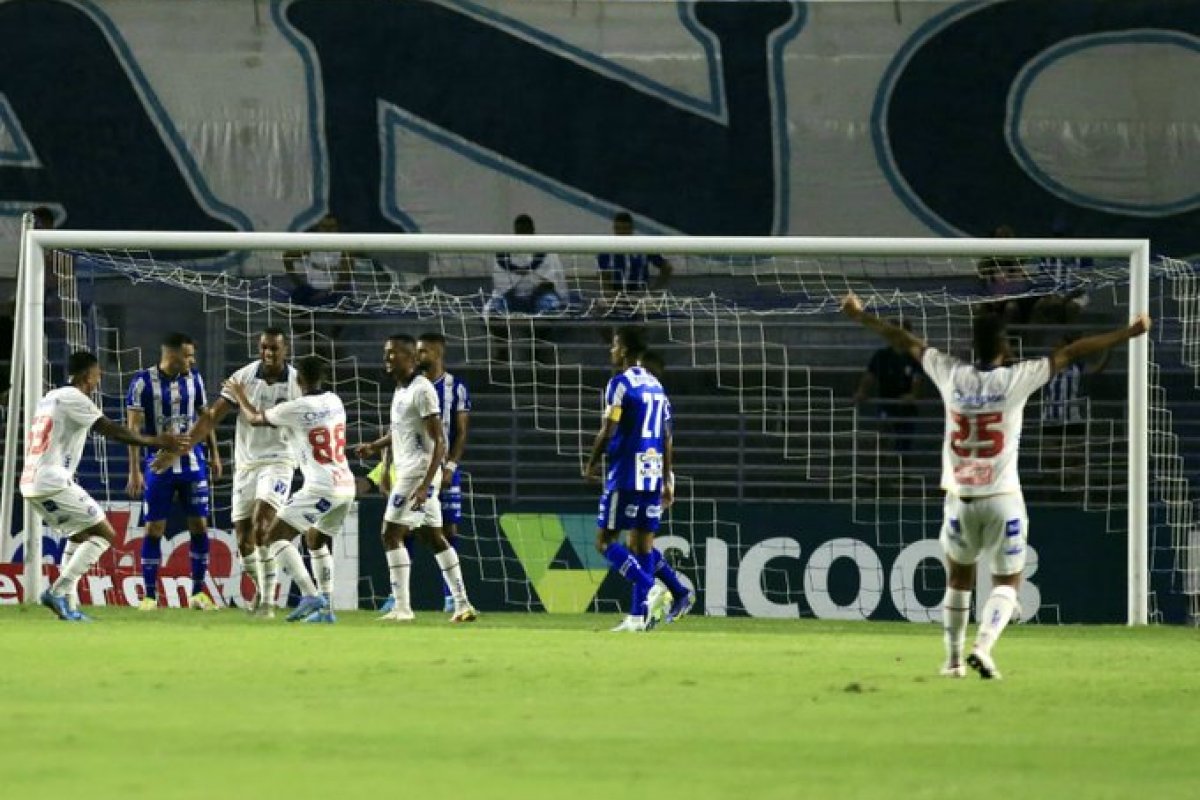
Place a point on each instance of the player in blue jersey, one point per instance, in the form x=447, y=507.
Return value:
x=636, y=436
x=168, y=398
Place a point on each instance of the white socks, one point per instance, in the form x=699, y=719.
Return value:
x=73, y=594
x=956, y=611
x=253, y=569
x=400, y=569
x=270, y=575
x=996, y=613
x=285, y=554
x=452, y=575
x=322, y=567
x=85, y=554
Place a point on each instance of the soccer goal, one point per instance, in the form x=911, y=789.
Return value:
x=801, y=490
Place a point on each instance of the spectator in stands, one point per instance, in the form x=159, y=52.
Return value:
x=319, y=278
x=1063, y=273
x=1003, y=277
x=896, y=378
x=628, y=273
x=527, y=283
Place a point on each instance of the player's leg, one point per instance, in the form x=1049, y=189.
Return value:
x=959, y=547
x=242, y=516
x=321, y=557
x=1008, y=530
x=194, y=496
x=156, y=504
x=451, y=500
x=74, y=514
x=399, y=561
x=288, y=524
x=447, y=558
x=272, y=488
x=68, y=551
x=610, y=521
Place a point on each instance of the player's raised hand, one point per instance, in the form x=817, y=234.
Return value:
x=851, y=305
x=1140, y=325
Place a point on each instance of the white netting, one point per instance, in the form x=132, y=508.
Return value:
x=763, y=373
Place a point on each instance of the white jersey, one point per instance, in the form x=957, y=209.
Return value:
x=314, y=426
x=412, y=446
x=60, y=428
x=259, y=446
x=984, y=412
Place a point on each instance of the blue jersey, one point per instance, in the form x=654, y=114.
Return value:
x=629, y=272
x=170, y=405
x=636, y=401
x=453, y=397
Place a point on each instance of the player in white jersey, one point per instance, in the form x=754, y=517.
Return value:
x=417, y=446
x=314, y=427
x=984, y=509
x=61, y=424
x=263, y=463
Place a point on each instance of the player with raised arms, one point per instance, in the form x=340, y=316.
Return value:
x=635, y=433
x=61, y=424
x=314, y=426
x=167, y=398
x=417, y=446
x=263, y=463
x=984, y=513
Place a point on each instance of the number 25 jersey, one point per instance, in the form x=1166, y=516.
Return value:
x=984, y=411
x=635, y=400
x=315, y=429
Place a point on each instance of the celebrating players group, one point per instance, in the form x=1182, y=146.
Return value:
x=287, y=420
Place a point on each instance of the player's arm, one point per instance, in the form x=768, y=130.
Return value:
x=608, y=425
x=433, y=428
x=1063, y=357
x=112, y=430
x=462, y=421
x=204, y=430
x=373, y=448
x=251, y=413
x=665, y=270
x=135, y=484
x=894, y=335
x=668, y=493
x=214, y=456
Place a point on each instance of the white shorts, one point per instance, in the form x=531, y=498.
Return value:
x=400, y=510
x=306, y=509
x=68, y=511
x=269, y=483
x=997, y=526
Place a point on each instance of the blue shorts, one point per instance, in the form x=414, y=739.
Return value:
x=452, y=501
x=626, y=510
x=161, y=491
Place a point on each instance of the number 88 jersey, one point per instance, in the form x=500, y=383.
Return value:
x=985, y=408
x=635, y=400
x=315, y=428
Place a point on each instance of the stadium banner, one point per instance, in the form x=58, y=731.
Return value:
x=117, y=578
x=790, y=117
x=768, y=560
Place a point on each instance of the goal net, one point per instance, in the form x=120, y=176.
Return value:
x=804, y=489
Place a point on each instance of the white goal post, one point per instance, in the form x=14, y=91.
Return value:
x=28, y=352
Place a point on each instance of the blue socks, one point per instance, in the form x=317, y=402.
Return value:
x=660, y=569
x=619, y=558
x=151, y=558
x=199, y=554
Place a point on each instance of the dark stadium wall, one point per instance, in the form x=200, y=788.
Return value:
x=699, y=117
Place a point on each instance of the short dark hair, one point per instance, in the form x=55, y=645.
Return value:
x=272, y=331
x=43, y=217
x=633, y=339
x=988, y=337
x=176, y=340
x=80, y=361
x=432, y=338
x=403, y=338
x=311, y=370
x=623, y=216
x=523, y=224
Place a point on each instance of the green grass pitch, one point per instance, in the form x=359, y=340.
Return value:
x=180, y=704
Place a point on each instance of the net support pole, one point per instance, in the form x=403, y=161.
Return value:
x=8, y=487
x=1139, y=436
x=33, y=268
